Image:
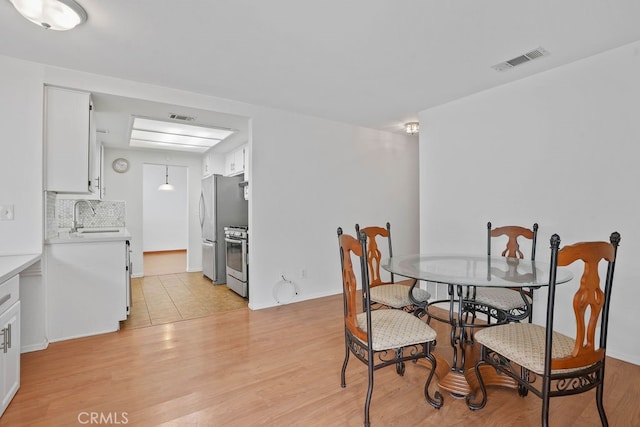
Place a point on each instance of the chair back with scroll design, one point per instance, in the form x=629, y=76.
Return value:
x=388, y=294
x=565, y=365
x=512, y=232
x=516, y=304
x=374, y=254
x=379, y=338
x=348, y=246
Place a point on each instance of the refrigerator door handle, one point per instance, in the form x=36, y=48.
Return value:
x=215, y=264
x=201, y=210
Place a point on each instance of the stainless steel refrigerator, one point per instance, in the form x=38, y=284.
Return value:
x=222, y=204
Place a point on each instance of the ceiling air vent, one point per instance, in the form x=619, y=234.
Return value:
x=519, y=60
x=181, y=117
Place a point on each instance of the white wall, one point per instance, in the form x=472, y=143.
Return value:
x=309, y=176
x=560, y=148
x=129, y=187
x=21, y=103
x=164, y=213
x=21, y=95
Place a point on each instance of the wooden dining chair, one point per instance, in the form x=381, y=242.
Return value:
x=379, y=338
x=388, y=294
x=504, y=303
x=552, y=364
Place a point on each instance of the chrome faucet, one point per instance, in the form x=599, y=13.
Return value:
x=75, y=225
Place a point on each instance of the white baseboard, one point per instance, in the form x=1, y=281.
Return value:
x=299, y=298
x=34, y=347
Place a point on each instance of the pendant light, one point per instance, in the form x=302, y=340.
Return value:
x=166, y=186
x=59, y=15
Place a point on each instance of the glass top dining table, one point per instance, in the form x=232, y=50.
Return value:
x=459, y=272
x=474, y=270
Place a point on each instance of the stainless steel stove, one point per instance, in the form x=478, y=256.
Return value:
x=237, y=250
x=239, y=231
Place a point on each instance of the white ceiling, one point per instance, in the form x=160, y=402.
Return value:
x=375, y=63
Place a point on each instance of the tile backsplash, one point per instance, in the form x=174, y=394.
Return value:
x=108, y=213
x=50, y=207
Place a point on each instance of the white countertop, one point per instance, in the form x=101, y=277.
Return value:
x=10, y=265
x=86, y=235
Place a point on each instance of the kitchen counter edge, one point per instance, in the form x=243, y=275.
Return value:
x=10, y=265
x=64, y=238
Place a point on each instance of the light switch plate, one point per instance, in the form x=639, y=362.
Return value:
x=6, y=212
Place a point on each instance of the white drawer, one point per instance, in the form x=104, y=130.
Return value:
x=9, y=293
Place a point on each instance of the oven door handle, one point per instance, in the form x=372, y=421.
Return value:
x=226, y=239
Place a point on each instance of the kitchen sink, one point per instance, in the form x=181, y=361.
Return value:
x=104, y=230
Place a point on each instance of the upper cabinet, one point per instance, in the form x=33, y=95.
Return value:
x=96, y=154
x=207, y=166
x=72, y=152
x=236, y=161
x=213, y=163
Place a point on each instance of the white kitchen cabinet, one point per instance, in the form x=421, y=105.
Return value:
x=243, y=153
x=235, y=161
x=72, y=154
x=229, y=163
x=10, y=345
x=96, y=152
x=207, y=166
x=87, y=288
x=213, y=163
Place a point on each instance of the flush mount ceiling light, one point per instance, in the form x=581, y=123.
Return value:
x=166, y=186
x=412, y=128
x=59, y=15
x=148, y=133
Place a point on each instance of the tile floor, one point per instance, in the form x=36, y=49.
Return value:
x=166, y=298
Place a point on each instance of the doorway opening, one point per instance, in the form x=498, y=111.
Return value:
x=158, y=263
x=165, y=215
x=168, y=292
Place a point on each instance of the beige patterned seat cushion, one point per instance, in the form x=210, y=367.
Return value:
x=395, y=328
x=524, y=344
x=500, y=298
x=397, y=296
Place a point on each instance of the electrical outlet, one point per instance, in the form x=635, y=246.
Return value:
x=6, y=212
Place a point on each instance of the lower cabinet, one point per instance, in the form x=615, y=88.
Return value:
x=10, y=341
x=86, y=288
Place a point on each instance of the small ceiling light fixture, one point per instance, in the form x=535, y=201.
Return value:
x=412, y=127
x=59, y=15
x=166, y=186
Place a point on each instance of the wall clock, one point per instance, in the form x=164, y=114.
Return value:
x=120, y=165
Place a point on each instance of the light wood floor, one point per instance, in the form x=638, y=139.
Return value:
x=271, y=367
